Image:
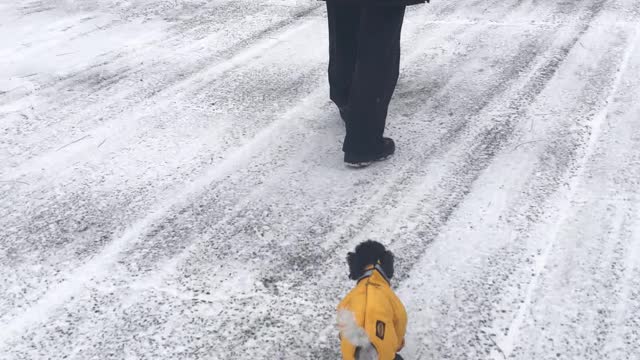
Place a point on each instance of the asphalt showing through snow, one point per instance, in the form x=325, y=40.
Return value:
x=172, y=187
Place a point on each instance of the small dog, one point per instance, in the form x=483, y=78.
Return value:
x=371, y=318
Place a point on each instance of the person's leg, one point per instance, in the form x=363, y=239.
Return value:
x=394, y=66
x=344, y=22
x=375, y=77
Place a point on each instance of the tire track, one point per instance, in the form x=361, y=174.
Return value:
x=137, y=103
x=604, y=256
x=597, y=123
x=551, y=183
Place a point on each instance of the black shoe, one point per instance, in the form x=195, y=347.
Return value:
x=363, y=160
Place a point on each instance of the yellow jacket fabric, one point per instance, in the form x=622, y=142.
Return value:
x=379, y=312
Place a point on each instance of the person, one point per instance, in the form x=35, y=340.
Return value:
x=364, y=64
x=371, y=318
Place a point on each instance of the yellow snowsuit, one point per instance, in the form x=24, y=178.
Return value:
x=379, y=311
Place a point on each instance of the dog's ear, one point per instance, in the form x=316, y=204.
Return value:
x=386, y=262
x=356, y=268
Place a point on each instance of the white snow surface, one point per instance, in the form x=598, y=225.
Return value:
x=172, y=186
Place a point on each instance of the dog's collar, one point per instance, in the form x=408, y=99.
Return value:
x=369, y=272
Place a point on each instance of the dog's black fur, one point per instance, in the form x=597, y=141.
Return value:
x=369, y=253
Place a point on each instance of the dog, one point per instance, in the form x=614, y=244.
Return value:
x=371, y=319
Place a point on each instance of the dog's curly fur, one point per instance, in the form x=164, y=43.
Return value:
x=369, y=253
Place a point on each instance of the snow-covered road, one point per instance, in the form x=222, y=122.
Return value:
x=172, y=186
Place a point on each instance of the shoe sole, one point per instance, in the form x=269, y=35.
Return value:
x=359, y=165
x=364, y=164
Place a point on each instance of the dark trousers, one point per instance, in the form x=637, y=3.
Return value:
x=364, y=64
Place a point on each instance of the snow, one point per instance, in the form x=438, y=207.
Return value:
x=172, y=187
